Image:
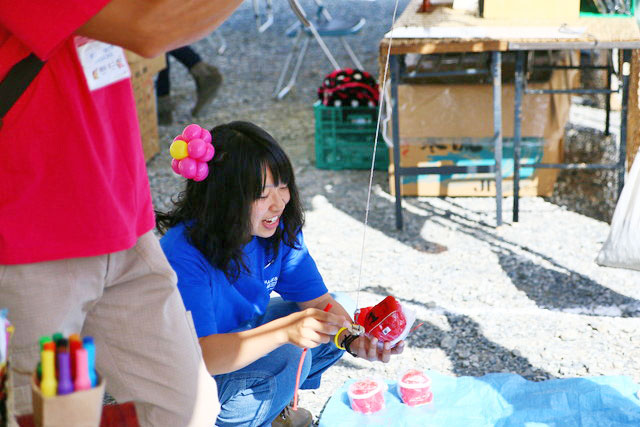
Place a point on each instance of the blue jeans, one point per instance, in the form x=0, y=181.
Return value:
x=257, y=393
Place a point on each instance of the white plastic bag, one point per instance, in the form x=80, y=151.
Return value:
x=622, y=248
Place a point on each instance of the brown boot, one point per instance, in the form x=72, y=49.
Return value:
x=290, y=418
x=165, y=110
x=208, y=80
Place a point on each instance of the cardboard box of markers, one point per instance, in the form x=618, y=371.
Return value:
x=68, y=391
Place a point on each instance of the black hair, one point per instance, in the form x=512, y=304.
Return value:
x=217, y=210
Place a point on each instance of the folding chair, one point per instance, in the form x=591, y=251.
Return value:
x=324, y=25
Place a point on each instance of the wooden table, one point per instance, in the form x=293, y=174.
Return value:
x=445, y=30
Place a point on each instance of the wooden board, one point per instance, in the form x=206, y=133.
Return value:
x=582, y=32
x=564, y=9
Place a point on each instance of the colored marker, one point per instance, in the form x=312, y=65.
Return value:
x=44, y=339
x=65, y=386
x=57, y=336
x=90, y=346
x=62, y=345
x=74, y=344
x=48, y=385
x=82, y=381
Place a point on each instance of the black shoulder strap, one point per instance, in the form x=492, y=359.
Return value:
x=16, y=82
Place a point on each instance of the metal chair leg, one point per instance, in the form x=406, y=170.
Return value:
x=223, y=43
x=292, y=81
x=287, y=62
x=352, y=55
x=324, y=47
x=262, y=26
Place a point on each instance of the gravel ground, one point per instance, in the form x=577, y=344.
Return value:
x=525, y=298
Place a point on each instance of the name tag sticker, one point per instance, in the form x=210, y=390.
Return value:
x=103, y=63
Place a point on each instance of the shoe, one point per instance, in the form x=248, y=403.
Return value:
x=208, y=80
x=165, y=110
x=290, y=418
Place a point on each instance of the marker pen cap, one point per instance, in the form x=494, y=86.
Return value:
x=82, y=381
x=44, y=339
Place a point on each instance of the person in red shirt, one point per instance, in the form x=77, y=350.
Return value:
x=76, y=249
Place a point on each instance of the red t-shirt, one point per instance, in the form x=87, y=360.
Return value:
x=73, y=181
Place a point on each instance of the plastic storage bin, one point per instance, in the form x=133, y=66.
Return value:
x=367, y=395
x=345, y=137
x=414, y=388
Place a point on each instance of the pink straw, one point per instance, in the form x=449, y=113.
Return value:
x=304, y=352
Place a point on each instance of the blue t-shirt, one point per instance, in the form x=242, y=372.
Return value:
x=219, y=306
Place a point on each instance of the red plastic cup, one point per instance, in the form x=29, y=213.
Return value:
x=367, y=396
x=414, y=388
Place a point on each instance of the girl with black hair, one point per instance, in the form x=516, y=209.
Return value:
x=233, y=238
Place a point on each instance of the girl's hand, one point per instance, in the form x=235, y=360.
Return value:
x=312, y=327
x=369, y=348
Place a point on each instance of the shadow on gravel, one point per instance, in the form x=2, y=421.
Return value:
x=564, y=290
x=470, y=352
x=551, y=286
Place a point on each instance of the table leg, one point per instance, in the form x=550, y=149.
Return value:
x=622, y=152
x=496, y=65
x=517, y=130
x=608, y=95
x=395, y=136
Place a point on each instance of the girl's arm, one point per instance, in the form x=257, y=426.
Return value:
x=311, y=327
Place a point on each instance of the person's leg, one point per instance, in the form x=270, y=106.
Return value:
x=44, y=298
x=163, y=88
x=257, y=393
x=163, y=84
x=207, y=77
x=186, y=55
x=145, y=343
x=261, y=390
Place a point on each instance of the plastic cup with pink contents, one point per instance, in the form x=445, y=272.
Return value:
x=367, y=395
x=414, y=388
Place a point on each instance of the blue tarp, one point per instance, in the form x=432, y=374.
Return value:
x=501, y=400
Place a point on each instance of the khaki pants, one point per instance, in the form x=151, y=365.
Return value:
x=146, y=346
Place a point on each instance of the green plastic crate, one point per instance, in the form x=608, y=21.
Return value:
x=345, y=137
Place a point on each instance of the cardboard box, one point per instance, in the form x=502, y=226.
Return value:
x=452, y=112
x=142, y=73
x=80, y=408
x=539, y=9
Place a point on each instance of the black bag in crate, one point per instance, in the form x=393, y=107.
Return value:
x=349, y=88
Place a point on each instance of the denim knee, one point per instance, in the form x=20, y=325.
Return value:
x=258, y=392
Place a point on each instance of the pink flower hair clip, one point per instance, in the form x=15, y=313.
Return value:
x=191, y=151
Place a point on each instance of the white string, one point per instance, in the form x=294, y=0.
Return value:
x=375, y=146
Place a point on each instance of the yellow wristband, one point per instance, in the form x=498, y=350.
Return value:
x=335, y=338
